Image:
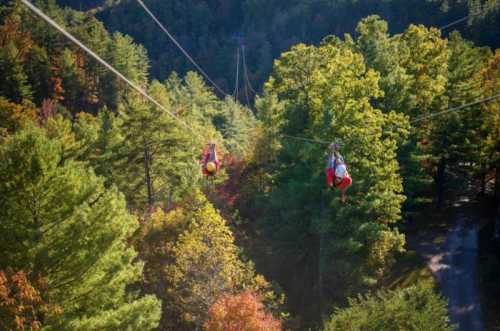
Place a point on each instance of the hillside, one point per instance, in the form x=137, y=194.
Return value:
x=212, y=30
x=133, y=203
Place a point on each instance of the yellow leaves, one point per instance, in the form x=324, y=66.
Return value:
x=11, y=32
x=14, y=116
x=381, y=255
x=491, y=74
x=194, y=260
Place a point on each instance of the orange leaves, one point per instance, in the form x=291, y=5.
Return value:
x=18, y=299
x=57, y=88
x=241, y=312
x=14, y=116
x=21, y=302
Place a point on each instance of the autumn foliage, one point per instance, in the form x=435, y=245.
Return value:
x=241, y=312
x=21, y=302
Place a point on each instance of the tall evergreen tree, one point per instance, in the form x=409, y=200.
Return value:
x=414, y=77
x=58, y=221
x=157, y=151
x=14, y=84
x=325, y=93
x=454, y=138
x=490, y=130
x=414, y=308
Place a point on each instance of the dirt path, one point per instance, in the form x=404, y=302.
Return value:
x=452, y=258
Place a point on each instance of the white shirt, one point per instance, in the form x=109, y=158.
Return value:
x=341, y=170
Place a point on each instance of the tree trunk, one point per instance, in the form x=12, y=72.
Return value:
x=440, y=183
x=497, y=182
x=147, y=174
x=320, y=256
x=483, y=182
x=170, y=201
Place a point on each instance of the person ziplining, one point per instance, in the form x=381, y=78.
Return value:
x=337, y=176
x=210, y=160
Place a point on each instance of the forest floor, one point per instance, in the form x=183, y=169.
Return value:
x=449, y=245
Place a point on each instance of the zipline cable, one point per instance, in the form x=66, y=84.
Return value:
x=245, y=69
x=37, y=11
x=456, y=109
x=41, y=14
x=237, y=80
x=246, y=93
x=460, y=20
x=180, y=47
x=316, y=141
x=454, y=23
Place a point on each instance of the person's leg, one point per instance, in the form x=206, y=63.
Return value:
x=343, y=186
x=330, y=177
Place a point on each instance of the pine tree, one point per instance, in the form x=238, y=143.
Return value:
x=454, y=139
x=414, y=76
x=100, y=139
x=236, y=123
x=14, y=83
x=324, y=94
x=158, y=150
x=59, y=221
x=490, y=128
x=132, y=61
x=412, y=309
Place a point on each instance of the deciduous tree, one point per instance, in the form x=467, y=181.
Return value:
x=240, y=312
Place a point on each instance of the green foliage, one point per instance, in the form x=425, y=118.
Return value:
x=423, y=73
x=455, y=138
x=131, y=60
x=490, y=127
x=413, y=67
x=236, y=123
x=212, y=30
x=71, y=226
x=206, y=262
x=157, y=150
x=14, y=84
x=58, y=220
x=413, y=308
x=325, y=93
x=38, y=63
x=94, y=148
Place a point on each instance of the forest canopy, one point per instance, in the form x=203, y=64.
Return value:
x=107, y=221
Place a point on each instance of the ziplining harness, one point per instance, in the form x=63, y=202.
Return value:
x=337, y=175
x=210, y=161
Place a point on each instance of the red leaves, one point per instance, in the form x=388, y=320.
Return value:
x=241, y=312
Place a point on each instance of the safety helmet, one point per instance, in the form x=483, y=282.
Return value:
x=211, y=167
